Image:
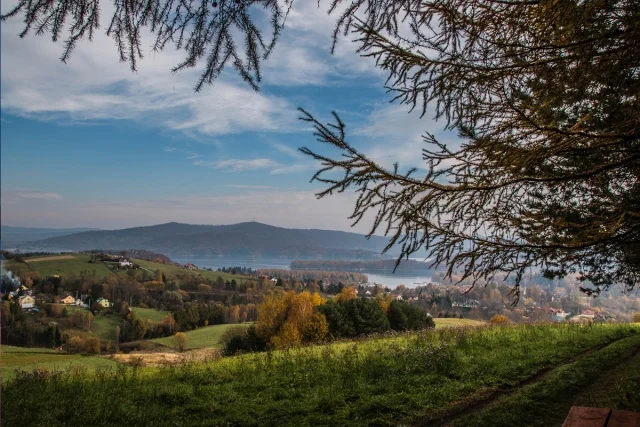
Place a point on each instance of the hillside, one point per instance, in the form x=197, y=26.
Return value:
x=488, y=376
x=12, y=236
x=249, y=239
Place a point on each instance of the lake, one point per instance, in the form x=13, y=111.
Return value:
x=384, y=278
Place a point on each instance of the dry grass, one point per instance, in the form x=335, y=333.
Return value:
x=155, y=359
x=49, y=258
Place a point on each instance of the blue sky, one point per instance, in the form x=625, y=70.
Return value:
x=92, y=144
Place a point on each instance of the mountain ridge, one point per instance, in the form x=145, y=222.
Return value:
x=245, y=239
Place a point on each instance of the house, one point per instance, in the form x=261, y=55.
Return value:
x=274, y=280
x=123, y=263
x=26, y=302
x=80, y=303
x=190, y=266
x=560, y=315
x=103, y=302
x=588, y=314
x=68, y=300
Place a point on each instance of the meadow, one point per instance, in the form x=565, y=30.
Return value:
x=509, y=375
x=208, y=336
x=15, y=359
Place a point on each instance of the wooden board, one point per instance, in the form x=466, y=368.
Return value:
x=582, y=416
x=624, y=419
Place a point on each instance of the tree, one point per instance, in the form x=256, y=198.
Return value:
x=181, y=341
x=636, y=317
x=350, y=292
x=544, y=96
x=499, y=319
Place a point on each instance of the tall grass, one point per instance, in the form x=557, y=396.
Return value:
x=387, y=380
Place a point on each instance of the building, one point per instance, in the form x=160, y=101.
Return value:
x=68, y=300
x=190, y=266
x=123, y=263
x=26, y=302
x=103, y=302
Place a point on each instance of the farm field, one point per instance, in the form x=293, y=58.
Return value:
x=481, y=376
x=28, y=359
x=208, y=336
x=56, y=265
x=174, y=270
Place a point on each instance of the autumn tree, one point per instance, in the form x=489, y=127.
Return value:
x=287, y=319
x=347, y=293
x=181, y=341
x=544, y=96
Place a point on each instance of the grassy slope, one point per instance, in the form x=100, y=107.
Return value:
x=79, y=263
x=386, y=381
x=172, y=270
x=208, y=336
x=28, y=359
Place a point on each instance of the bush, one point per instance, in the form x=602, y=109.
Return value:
x=75, y=345
x=181, y=341
x=636, y=318
x=92, y=345
x=242, y=340
x=499, y=319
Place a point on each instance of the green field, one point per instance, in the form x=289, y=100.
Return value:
x=150, y=314
x=80, y=263
x=173, y=270
x=62, y=267
x=28, y=359
x=484, y=376
x=208, y=336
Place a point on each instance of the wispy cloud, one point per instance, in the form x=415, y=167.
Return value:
x=190, y=154
x=238, y=165
x=250, y=187
x=30, y=195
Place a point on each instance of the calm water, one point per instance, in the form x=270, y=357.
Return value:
x=387, y=279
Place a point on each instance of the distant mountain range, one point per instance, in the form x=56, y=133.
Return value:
x=12, y=236
x=250, y=239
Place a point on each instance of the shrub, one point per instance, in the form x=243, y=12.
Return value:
x=499, y=319
x=636, y=318
x=74, y=345
x=92, y=345
x=242, y=340
x=181, y=341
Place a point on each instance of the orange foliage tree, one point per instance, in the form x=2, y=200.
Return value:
x=347, y=293
x=287, y=319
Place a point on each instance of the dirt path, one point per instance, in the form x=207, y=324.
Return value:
x=477, y=402
x=49, y=258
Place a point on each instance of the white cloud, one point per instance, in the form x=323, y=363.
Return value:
x=12, y=195
x=238, y=165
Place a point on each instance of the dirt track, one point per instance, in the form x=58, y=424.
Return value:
x=49, y=258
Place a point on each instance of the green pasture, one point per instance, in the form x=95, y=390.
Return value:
x=208, y=336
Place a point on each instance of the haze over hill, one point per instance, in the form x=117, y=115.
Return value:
x=16, y=235
x=251, y=239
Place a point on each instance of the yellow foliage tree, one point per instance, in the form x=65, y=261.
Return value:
x=347, y=293
x=384, y=301
x=288, y=319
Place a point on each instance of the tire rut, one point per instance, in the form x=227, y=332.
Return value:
x=477, y=402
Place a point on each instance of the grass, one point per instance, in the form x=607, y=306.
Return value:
x=62, y=267
x=443, y=323
x=150, y=314
x=27, y=359
x=172, y=270
x=396, y=380
x=208, y=336
x=80, y=263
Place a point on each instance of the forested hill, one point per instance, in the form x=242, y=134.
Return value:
x=244, y=239
x=16, y=235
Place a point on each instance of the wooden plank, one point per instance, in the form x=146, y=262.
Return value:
x=624, y=419
x=582, y=416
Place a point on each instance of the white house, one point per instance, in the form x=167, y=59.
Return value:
x=123, y=263
x=26, y=302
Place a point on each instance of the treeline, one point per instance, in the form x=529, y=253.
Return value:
x=326, y=277
x=289, y=319
x=245, y=271
x=411, y=266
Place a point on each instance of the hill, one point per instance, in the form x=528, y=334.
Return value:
x=249, y=239
x=12, y=236
x=487, y=376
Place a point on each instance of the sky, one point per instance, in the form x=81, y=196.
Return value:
x=92, y=144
